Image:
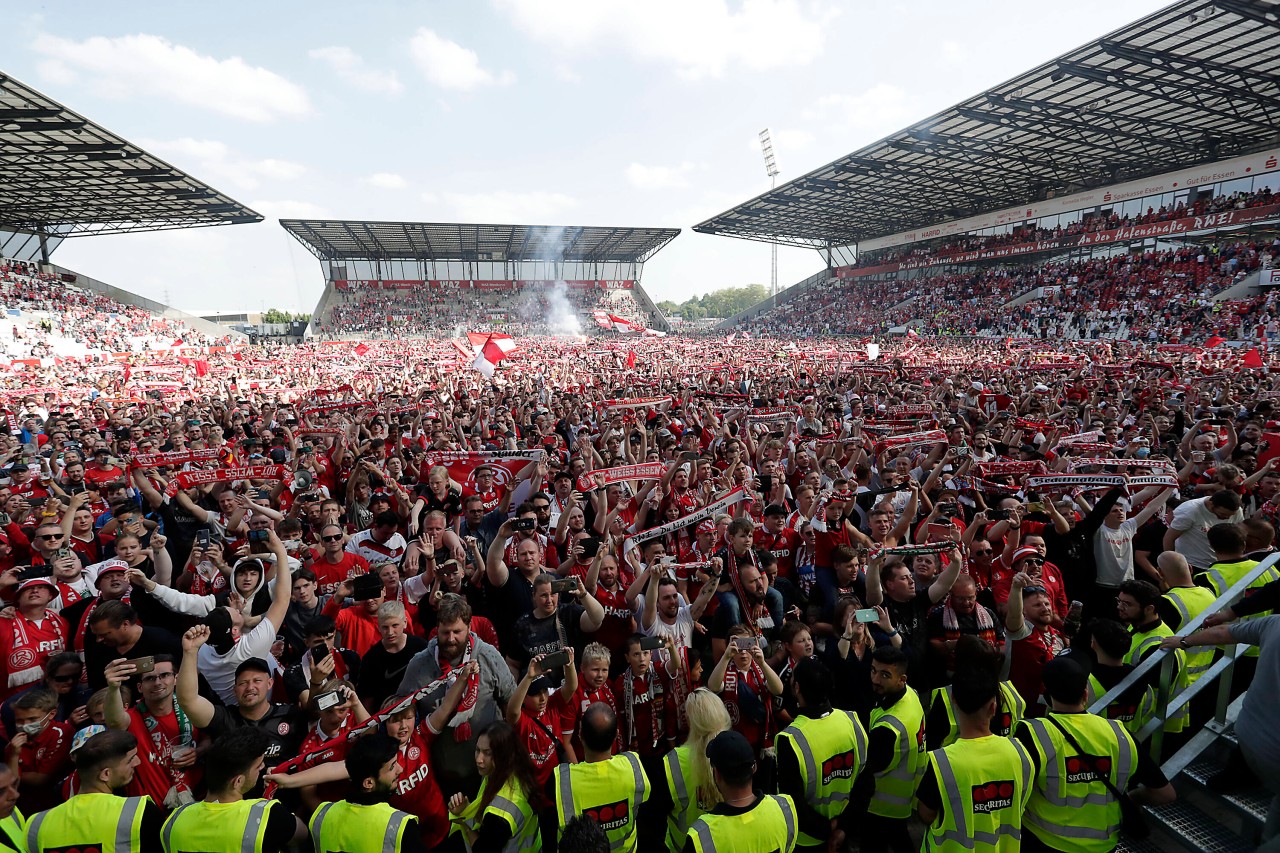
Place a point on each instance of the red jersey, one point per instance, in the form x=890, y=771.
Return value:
x=825, y=541
x=532, y=731
x=1050, y=578
x=619, y=622
x=644, y=718
x=1026, y=665
x=417, y=791
x=329, y=575
x=782, y=545
x=48, y=752
x=490, y=499
x=579, y=703
x=358, y=627
x=26, y=646
x=157, y=737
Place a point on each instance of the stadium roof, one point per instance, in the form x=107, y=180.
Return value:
x=63, y=175
x=332, y=240
x=1193, y=83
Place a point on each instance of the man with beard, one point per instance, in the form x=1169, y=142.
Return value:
x=1029, y=623
x=960, y=615
x=482, y=701
x=665, y=614
x=893, y=585
x=895, y=753
x=284, y=725
x=95, y=817
x=364, y=822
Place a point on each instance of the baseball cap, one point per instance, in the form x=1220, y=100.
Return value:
x=82, y=737
x=34, y=582
x=253, y=665
x=1065, y=677
x=775, y=509
x=539, y=684
x=1022, y=553
x=110, y=567
x=730, y=753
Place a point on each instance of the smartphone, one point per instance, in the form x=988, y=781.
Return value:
x=868, y=614
x=41, y=501
x=564, y=585
x=325, y=701
x=262, y=494
x=145, y=664
x=524, y=524
x=1196, y=456
x=650, y=644
x=998, y=514
x=32, y=572
x=590, y=547
x=938, y=530
x=1035, y=506
x=257, y=536
x=555, y=660
x=689, y=456
x=766, y=483
x=319, y=653
x=202, y=539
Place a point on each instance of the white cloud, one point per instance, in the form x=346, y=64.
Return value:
x=790, y=139
x=449, y=65
x=350, y=67
x=500, y=207
x=883, y=109
x=146, y=66
x=387, y=181
x=659, y=177
x=290, y=209
x=699, y=38
x=215, y=162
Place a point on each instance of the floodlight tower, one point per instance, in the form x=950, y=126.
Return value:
x=771, y=169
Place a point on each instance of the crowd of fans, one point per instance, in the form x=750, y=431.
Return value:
x=942, y=247
x=51, y=317
x=382, y=539
x=518, y=311
x=1158, y=296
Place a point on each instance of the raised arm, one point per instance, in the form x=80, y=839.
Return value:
x=495, y=566
x=199, y=709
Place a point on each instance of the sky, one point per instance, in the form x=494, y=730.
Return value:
x=556, y=112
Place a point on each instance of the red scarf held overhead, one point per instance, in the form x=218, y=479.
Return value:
x=461, y=721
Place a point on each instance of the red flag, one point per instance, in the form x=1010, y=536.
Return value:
x=631, y=359
x=1252, y=358
x=361, y=349
x=178, y=343
x=1213, y=342
x=202, y=367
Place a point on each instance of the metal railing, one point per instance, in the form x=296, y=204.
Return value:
x=1166, y=702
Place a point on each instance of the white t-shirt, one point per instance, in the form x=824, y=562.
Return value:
x=1194, y=519
x=1113, y=552
x=220, y=670
x=681, y=632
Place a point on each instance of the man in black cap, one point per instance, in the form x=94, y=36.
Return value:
x=1081, y=806
x=284, y=725
x=746, y=821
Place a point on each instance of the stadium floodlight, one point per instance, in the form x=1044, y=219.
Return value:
x=771, y=169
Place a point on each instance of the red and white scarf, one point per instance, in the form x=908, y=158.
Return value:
x=652, y=690
x=461, y=720
x=26, y=662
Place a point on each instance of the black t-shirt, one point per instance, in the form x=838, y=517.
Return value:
x=910, y=618
x=451, y=504
x=382, y=671
x=536, y=636
x=154, y=641
x=180, y=529
x=285, y=726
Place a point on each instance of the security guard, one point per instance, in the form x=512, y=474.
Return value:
x=895, y=753
x=746, y=821
x=1229, y=544
x=1071, y=810
x=974, y=791
x=225, y=822
x=1182, y=602
x=13, y=827
x=364, y=822
x=820, y=758
x=610, y=788
x=972, y=653
x=96, y=818
x=1136, y=607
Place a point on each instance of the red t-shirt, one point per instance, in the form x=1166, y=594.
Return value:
x=48, y=752
x=1026, y=665
x=582, y=700
x=26, y=646
x=619, y=623
x=417, y=791
x=1050, y=578
x=556, y=718
x=490, y=499
x=358, y=627
x=645, y=709
x=154, y=776
x=329, y=575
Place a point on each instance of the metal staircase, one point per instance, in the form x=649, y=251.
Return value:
x=1203, y=819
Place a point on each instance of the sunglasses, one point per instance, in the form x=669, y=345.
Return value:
x=1036, y=589
x=1033, y=561
x=50, y=537
x=337, y=538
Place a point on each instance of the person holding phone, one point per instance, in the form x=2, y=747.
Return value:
x=747, y=685
x=551, y=626
x=32, y=635
x=542, y=715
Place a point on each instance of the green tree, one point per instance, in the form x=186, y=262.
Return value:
x=275, y=315
x=718, y=304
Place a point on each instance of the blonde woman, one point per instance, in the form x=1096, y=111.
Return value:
x=690, y=791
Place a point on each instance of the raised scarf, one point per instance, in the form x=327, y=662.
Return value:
x=629, y=706
x=26, y=664
x=986, y=628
